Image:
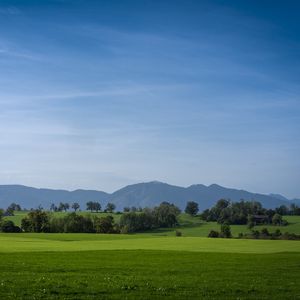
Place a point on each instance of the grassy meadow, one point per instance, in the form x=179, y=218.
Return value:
x=91, y=266
x=63, y=242
x=152, y=265
x=144, y=274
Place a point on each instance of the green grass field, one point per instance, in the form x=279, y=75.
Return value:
x=140, y=274
x=152, y=265
x=94, y=266
x=33, y=242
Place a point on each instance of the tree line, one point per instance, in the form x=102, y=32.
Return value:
x=38, y=220
x=264, y=234
x=163, y=216
x=92, y=206
x=137, y=219
x=41, y=221
x=246, y=212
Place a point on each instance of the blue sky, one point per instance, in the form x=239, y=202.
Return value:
x=100, y=94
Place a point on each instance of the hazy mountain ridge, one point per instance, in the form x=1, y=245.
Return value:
x=141, y=194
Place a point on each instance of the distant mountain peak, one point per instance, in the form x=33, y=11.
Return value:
x=155, y=182
x=214, y=185
x=146, y=194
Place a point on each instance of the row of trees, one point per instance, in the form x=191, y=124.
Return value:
x=243, y=212
x=191, y=208
x=92, y=206
x=266, y=235
x=64, y=206
x=225, y=232
x=11, y=209
x=164, y=215
x=293, y=210
x=41, y=221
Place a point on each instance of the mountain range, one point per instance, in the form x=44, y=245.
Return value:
x=140, y=195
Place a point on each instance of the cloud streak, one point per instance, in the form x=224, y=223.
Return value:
x=11, y=10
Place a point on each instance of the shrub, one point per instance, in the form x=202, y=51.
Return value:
x=213, y=234
x=265, y=232
x=255, y=234
x=178, y=233
x=225, y=231
x=277, y=232
x=9, y=226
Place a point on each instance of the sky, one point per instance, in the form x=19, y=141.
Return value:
x=101, y=94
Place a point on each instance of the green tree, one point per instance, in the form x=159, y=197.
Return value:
x=166, y=215
x=97, y=206
x=192, y=208
x=36, y=221
x=73, y=223
x=75, y=206
x=93, y=206
x=130, y=222
x=104, y=224
x=9, y=212
x=277, y=219
x=90, y=206
x=237, y=212
x=225, y=231
x=110, y=207
x=61, y=207
x=14, y=207
x=66, y=206
x=295, y=210
x=53, y=207
x=250, y=223
x=282, y=210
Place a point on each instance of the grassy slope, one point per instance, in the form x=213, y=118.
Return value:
x=87, y=242
x=92, y=266
x=194, y=226
x=149, y=275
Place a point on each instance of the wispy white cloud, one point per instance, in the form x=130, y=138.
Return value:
x=116, y=89
x=10, y=10
x=19, y=54
x=9, y=48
